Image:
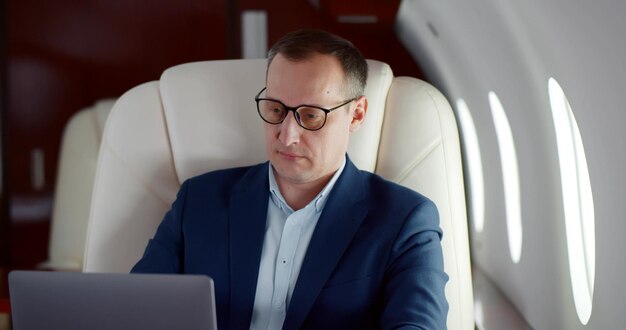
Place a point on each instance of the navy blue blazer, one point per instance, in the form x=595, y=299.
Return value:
x=374, y=261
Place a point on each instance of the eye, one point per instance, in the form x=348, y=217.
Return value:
x=274, y=108
x=310, y=114
x=271, y=111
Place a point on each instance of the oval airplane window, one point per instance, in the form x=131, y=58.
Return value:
x=510, y=176
x=577, y=201
x=474, y=165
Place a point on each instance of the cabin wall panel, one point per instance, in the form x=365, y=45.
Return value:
x=513, y=48
x=63, y=56
x=588, y=60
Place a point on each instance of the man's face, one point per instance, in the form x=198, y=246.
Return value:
x=302, y=156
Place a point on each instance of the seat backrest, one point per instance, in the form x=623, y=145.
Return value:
x=201, y=116
x=74, y=183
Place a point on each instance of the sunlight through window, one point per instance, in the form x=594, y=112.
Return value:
x=474, y=165
x=577, y=201
x=510, y=176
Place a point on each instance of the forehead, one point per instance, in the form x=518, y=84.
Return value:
x=318, y=78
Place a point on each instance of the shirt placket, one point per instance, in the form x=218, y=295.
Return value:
x=284, y=268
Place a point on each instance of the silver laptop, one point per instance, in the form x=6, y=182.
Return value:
x=62, y=300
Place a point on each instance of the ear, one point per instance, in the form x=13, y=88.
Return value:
x=358, y=115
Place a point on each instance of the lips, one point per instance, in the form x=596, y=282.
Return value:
x=289, y=155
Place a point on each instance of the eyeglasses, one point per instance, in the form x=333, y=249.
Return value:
x=309, y=117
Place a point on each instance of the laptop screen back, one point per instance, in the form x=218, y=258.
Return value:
x=61, y=300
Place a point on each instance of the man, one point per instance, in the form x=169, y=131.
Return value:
x=307, y=240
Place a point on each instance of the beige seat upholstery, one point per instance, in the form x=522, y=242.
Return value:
x=74, y=183
x=201, y=116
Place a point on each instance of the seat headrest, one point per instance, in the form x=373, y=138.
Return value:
x=212, y=120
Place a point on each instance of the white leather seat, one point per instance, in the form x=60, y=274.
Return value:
x=74, y=183
x=201, y=116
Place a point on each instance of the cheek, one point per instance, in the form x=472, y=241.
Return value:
x=270, y=136
x=331, y=146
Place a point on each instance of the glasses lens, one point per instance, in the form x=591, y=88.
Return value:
x=272, y=112
x=311, y=118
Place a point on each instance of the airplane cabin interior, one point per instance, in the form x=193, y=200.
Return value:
x=508, y=115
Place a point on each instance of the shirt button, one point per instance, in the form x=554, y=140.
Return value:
x=284, y=261
x=278, y=304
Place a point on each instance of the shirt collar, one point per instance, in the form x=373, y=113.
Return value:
x=319, y=201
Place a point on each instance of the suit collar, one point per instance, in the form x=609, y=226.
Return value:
x=341, y=218
x=248, y=215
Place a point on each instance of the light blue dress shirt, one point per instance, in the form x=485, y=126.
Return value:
x=287, y=237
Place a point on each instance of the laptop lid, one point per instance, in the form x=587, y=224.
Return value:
x=63, y=300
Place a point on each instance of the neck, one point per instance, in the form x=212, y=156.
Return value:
x=297, y=194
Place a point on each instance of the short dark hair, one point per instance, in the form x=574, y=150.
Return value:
x=302, y=44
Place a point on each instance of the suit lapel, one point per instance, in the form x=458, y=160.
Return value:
x=341, y=218
x=248, y=214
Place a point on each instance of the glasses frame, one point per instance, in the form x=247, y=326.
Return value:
x=295, y=109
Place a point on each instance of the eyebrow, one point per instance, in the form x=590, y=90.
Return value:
x=300, y=105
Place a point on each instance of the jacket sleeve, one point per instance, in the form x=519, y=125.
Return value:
x=414, y=293
x=164, y=253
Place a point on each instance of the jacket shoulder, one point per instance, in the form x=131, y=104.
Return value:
x=388, y=192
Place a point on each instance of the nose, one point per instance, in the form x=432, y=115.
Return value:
x=289, y=130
